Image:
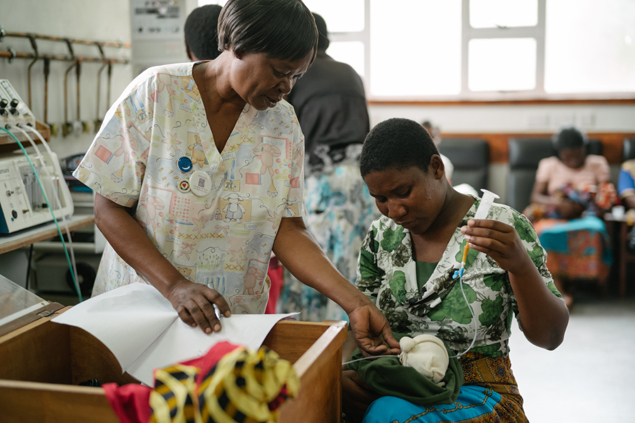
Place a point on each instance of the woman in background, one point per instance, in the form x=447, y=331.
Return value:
x=626, y=190
x=331, y=106
x=571, y=190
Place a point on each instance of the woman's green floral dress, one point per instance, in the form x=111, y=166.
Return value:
x=387, y=275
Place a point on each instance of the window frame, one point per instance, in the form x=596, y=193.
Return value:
x=536, y=96
x=466, y=97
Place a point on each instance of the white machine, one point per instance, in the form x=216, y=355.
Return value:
x=157, y=32
x=22, y=203
x=12, y=109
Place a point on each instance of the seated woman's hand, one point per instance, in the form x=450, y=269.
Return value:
x=194, y=303
x=499, y=241
x=369, y=326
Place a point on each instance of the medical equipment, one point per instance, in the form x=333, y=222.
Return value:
x=157, y=33
x=12, y=109
x=48, y=204
x=67, y=126
x=98, y=120
x=481, y=213
x=22, y=202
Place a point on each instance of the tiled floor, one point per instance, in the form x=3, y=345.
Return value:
x=589, y=378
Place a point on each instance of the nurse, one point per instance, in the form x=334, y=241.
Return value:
x=189, y=147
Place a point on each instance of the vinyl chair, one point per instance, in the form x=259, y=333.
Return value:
x=628, y=151
x=470, y=158
x=524, y=156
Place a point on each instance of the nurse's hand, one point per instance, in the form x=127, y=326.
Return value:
x=369, y=326
x=195, y=304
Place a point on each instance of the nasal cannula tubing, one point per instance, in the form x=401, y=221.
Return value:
x=481, y=213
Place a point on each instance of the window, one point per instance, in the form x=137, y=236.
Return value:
x=590, y=46
x=503, y=13
x=340, y=15
x=502, y=64
x=484, y=49
x=415, y=47
x=351, y=52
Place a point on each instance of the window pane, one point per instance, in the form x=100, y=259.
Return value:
x=351, y=52
x=590, y=46
x=415, y=47
x=204, y=2
x=503, y=13
x=340, y=16
x=502, y=64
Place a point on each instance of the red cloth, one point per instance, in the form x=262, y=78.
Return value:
x=131, y=403
x=275, y=275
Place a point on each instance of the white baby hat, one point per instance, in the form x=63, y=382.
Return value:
x=426, y=354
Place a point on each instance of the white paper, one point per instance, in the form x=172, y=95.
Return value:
x=181, y=342
x=144, y=332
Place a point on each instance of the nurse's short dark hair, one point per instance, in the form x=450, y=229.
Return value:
x=397, y=144
x=282, y=29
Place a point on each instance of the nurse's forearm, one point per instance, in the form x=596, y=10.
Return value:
x=299, y=252
x=132, y=244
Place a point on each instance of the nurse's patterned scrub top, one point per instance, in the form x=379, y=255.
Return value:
x=388, y=276
x=223, y=236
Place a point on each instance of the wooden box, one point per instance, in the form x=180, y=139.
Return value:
x=42, y=363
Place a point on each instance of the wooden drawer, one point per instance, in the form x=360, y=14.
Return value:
x=42, y=363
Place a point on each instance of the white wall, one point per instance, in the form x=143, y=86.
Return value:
x=110, y=20
x=522, y=118
x=99, y=20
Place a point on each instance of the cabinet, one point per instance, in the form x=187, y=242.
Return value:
x=43, y=362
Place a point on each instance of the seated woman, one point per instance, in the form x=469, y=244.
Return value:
x=567, y=186
x=407, y=268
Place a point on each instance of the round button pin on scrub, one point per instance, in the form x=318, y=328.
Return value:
x=184, y=185
x=200, y=183
x=185, y=164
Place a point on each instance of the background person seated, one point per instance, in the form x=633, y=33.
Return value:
x=626, y=190
x=570, y=191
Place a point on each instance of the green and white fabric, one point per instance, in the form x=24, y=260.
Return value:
x=387, y=274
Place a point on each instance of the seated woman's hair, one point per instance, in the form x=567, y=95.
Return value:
x=397, y=144
x=282, y=29
x=569, y=137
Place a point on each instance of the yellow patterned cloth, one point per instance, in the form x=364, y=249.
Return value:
x=245, y=386
x=495, y=374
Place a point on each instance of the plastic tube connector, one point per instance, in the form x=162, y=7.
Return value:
x=486, y=203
